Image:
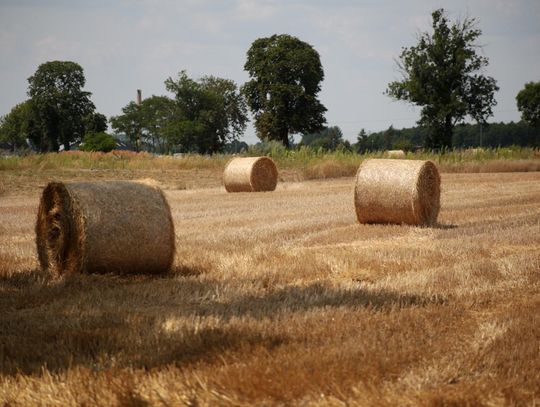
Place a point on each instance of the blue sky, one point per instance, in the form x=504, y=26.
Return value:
x=129, y=44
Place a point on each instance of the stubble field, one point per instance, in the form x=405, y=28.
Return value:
x=283, y=298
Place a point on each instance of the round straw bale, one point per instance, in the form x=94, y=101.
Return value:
x=104, y=227
x=395, y=154
x=250, y=174
x=397, y=191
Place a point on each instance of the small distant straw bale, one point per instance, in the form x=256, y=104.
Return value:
x=476, y=150
x=397, y=191
x=250, y=174
x=395, y=154
x=104, y=227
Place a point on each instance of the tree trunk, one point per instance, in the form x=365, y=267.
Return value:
x=284, y=136
x=446, y=142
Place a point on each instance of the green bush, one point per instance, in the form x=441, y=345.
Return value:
x=98, y=142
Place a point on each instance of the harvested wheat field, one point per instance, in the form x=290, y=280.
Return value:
x=284, y=298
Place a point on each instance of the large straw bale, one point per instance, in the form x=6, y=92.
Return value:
x=395, y=154
x=117, y=226
x=397, y=191
x=250, y=174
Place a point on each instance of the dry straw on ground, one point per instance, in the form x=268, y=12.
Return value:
x=397, y=191
x=116, y=226
x=395, y=154
x=280, y=300
x=250, y=174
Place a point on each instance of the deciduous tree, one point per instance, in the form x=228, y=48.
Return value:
x=528, y=103
x=442, y=75
x=61, y=104
x=17, y=126
x=329, y=138
x=286, y=75
x=211, y=113
x=130, y=122
x=95, y=123
x=158, y=113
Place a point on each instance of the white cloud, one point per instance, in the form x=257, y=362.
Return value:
x=255, y=10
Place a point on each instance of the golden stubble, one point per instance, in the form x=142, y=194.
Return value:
x=283, y=298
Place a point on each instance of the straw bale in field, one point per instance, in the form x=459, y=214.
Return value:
x=397, y=191
x=250, y=174
x=395, y=154
x=116, y=226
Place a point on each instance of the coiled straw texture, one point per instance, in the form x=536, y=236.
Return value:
x=397, y=191
x=250, y=174
x=104, y=227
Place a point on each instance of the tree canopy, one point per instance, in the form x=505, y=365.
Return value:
x=98, y=142
x=158, y=115
x=60, y=103
x=441, y=74
x=528, y=103
x=210, y=113
x=330, y=138
x=286, y=75
x=17, y=126
x=130, y=123
x=464, y=136
x=204, y=116
x=95, y=123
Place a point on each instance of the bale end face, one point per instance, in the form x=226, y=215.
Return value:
x=427, y=202
x=59, y=234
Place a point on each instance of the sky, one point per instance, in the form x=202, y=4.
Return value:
x=126, y=45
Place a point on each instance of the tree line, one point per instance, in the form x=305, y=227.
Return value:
x=442, y=74
x=464, y=136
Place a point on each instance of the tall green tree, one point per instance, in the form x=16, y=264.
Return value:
x=17, y=126
x=95, y=123
x=362, y=145
x=158, y=116
x=61, y=104
x=210, y=113
x=388, y=137
x=442, y=75
x=528, y=103
x=285, y=78
x=130, y=122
